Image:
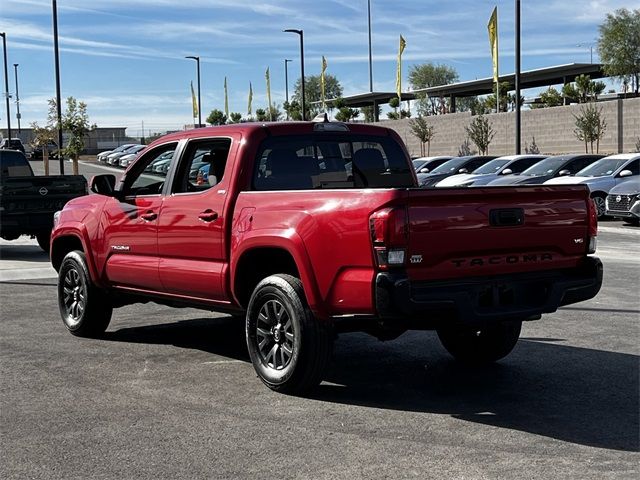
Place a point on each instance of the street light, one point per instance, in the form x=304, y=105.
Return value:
x=590, y=45
x=15, y=66
x=6, y=85
x=301, y=34
x=56, y=55
x=370, y=58
x=286, y=83
x=197, y=59
x=517, y=81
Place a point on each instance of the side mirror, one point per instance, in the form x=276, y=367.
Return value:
x=103, y=184
x=507, y=171
x=625, y=173
x=463, y=170
x=564, y=173
x=424, y=170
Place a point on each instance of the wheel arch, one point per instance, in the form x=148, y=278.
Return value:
x=259, y=261
x=65, y=242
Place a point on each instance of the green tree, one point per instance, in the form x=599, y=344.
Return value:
x=217, y=117
x=235, y=117
x=551, y=98
x=312, y=93
x=262, y=115
x=431, y=75
x=583, y=90
x=42, y=138
x=368, y=113
x=590, y=126
x=619, y=46
x=344, y=113
x=75, y=121
x=481, y=133
x=465, y=149
x=424, y=132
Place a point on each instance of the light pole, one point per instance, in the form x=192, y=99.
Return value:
x=517, y=80
x=6, y=86
x=56, y=55
x=370, y=58
x=301, y=34
x=197, y=59
x=15, y=66
x=286, y=83
x=590, y=45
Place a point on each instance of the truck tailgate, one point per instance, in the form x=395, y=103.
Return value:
x=465, y=232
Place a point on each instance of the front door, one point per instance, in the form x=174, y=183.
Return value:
x=130, y=241
x=191, y=225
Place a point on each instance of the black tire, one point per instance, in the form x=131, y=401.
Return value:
x=289, y=348
x=44, y=240
x=85, y=309
x=600, y=201
x=479, y=346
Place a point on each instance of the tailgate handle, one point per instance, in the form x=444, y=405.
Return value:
x=506, y=217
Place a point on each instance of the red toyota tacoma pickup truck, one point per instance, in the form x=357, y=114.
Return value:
x=306, y=230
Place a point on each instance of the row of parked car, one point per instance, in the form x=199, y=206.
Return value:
x=121, y=156
x=614, y=181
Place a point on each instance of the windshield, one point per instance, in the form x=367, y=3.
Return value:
x=450, y=166
x=547, y=166
x=492, y=167
x=605, y=166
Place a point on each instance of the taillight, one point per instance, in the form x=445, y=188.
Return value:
x=389, y=236
x=592, y=211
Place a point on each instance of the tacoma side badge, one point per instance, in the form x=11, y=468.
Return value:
x=416, y=258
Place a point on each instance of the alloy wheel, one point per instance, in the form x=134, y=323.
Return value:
x=275, y=335
x=74, y=296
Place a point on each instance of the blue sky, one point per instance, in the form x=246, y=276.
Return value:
x=125, y=58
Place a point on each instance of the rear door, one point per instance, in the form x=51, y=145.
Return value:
x=191, y=240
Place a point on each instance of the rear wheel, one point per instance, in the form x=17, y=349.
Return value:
x=289, y=348
x=85, y=309
x=472, y=345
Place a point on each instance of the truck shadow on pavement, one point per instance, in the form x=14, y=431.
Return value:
x=220, y=336
x=24, y=253
x=579, y=395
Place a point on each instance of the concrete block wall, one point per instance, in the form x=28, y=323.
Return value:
x=553, y=129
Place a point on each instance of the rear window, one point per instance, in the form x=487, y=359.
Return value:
x=306, y=162
x=14, y=164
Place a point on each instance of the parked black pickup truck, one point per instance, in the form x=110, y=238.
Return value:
x=28, y=202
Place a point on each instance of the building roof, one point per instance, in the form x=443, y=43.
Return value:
x=541, y=77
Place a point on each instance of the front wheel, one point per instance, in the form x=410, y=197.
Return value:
x=289, y=348
x=44, y=240
x=85, y=309
x=472, y=345
x=601, y=205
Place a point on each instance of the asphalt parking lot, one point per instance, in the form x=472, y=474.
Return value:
x=171, y=393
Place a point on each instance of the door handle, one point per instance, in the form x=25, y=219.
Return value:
x=208, y=215
x=149, y=216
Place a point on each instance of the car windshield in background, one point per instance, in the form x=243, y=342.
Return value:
x=605, y=166
x=492, y=167
x=305, y=162
x=450, y=165
x=546, y=167
x=417, y=164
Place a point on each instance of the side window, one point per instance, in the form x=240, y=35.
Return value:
x=578, y=164
x=520, y=166
x=634, y=166
x=202, y=166
x=149, y=172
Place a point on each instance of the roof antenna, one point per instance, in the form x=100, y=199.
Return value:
x=321, y=117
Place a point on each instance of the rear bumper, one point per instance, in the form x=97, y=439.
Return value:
x=485, y=300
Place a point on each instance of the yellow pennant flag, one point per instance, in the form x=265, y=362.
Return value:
x=249, y=110
x=322, y=81
x=226, y=99
x=399, y=70
x=492, y=26
x=266, y=75
x=194, y=102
